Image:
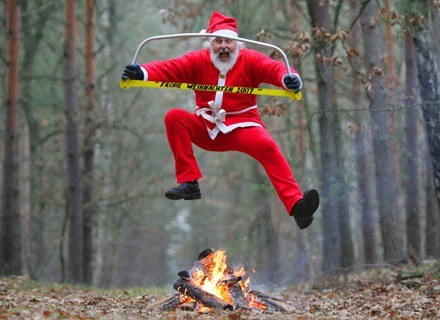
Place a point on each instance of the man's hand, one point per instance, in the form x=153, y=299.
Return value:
x=292, y=82
x=132, y=71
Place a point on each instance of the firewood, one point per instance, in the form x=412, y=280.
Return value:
x=273, y=304
x=189, y=306
x=166, y=304
x=231, y=281
x=184, y=275
x=206, y=261
x=204, y=254
x=237, y=297
x=207, y=299
x=265, y=295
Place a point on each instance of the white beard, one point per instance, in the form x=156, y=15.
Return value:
x=224, y=66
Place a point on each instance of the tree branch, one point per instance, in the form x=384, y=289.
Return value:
x=361, y=10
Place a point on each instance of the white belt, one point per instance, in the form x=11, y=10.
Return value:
x=218, y=117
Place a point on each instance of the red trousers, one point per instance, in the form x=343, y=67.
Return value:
x=184, y=128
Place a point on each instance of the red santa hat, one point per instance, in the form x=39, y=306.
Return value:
x=222, y=25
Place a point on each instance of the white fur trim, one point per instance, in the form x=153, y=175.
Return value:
x=226, y=129
x=224, y=32
x=145, y=73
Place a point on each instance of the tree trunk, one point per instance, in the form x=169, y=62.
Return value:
x=385, y=187
x=432, y=236
x=74, y=196
x=32, y=35
x=329, y=165
x=364, y=160
x=432, y=239
x=103, y=265
x=429, y=91
x=11, y=225
x=435, y=19
x=394, y=87
x=298, y=120
x=263, y=235
x=89, y=142
x=413, y=230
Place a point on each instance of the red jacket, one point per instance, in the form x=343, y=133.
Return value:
x=250, y=70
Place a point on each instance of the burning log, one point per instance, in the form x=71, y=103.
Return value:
x=232, y=281
x=204, y=254
x=237, y=297
x=207, y=259
x=207, y=299
x=184, y=275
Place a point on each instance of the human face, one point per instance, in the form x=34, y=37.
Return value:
x=223, y=48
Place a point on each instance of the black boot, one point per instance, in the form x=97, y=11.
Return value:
x=304, y=209
x=186, y=190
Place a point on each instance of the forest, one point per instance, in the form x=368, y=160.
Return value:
x=86, y=163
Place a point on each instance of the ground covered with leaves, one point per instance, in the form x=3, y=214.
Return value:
x=382, y=293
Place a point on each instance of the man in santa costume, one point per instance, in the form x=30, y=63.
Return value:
x=225, y=121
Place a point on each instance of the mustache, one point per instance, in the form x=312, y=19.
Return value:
x=225, y=50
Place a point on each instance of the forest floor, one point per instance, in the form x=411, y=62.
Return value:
x=385, y=292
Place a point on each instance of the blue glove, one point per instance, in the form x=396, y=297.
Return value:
x=292, y=82
x=133, y=71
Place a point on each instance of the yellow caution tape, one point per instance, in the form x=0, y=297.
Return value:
x=126, y=84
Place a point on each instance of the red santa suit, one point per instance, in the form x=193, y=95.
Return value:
x=224, y=121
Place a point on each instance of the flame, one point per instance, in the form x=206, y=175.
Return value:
x=210, y=279
x=255, y=304
x=215, y=276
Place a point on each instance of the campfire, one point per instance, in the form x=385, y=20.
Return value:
x=212, y=284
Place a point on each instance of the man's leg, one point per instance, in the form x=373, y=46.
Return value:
x=181, y=127
x=257, y=142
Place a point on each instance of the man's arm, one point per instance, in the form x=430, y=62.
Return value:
x=267, y=70
x=180, y=69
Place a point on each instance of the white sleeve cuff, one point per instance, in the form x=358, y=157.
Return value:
x=144, y=71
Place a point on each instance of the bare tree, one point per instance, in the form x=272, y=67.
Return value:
x=385, y=183
x=363, y=150
x=300, y=113
x=426, y=48
x=432, y=230
x=89, y=142
x=11, y=223
x=394, y=91
x=413, y=228
x=329, y=162
x=74, y=201
x=263, y=234
x=429, y=85
x=33, y=27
